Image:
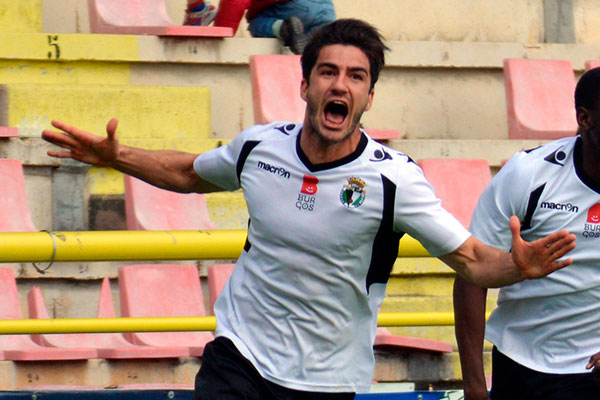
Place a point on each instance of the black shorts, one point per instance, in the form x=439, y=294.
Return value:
x=227, y=375
x=512, y=381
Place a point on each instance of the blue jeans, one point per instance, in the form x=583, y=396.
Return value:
x=312, y=13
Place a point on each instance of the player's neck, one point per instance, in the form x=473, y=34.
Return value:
x=319, y=150
x=591, y=156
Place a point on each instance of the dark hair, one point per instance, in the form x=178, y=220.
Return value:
x=351, y=32
x=587, y=92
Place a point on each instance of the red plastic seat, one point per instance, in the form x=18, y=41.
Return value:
x=21, y=347
x=144, y=17
x=108, y=345
x=14, y=206
x=150, y=208
x=163, y=290
x=275, y=81
x=591, y=64
x=217, y=277
x=384, y=340
x=539, y=99
x=6, y=131
x=458, y=183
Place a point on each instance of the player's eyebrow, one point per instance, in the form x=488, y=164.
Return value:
x=336, y=67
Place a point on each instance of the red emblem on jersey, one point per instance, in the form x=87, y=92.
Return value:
x=309, y=184
x=594, y=214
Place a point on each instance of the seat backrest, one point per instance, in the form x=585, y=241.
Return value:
x=129, y=13
x=10, y=307
x=458, y=183
x=150, y=208
x=217, y=277
x=539, y=98
x=591, y=64
x=162, y=290
x=275, y=81
x=15, y=215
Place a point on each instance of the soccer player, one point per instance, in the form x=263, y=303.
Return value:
x=327, y=207
x=546, y=333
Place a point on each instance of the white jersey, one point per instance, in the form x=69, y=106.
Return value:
x=302, y=302
x=552, y=324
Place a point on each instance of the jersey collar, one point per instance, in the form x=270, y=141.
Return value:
x=362, y=144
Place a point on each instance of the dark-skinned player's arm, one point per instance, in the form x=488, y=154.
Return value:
x=167, y=169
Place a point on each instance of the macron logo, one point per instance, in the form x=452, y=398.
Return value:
x=559, y=206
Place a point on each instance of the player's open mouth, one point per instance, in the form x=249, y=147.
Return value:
x=335, y=112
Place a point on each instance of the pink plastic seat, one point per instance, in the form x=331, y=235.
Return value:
x=591, y=64
x=384, y=340
x=539, y=99
x=275, y=81
x=108, y=345
x=14, y=206
x=150, y=208
x=144, y=17
x=217, y=277
x=458, y=183
x=6, y=131
x=163, y=290
x=21, y=347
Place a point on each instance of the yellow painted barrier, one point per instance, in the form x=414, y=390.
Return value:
x=138, y=245
x=170, y=324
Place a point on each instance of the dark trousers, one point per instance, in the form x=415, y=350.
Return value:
x=227, y=375
x=512, y=381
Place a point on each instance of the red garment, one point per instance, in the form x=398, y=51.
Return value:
x=257, y=6
x=230, y=13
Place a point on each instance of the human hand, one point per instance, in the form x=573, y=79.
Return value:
x=594, y=365
x=538, y=258
x=84, y=146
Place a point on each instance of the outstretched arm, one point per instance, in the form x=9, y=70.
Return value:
x=487, y=266
x=469, y=314
x=167, y=169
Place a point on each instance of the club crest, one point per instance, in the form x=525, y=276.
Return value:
x=353, y=193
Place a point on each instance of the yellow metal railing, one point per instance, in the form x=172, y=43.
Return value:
x=154, y=245
x=138, y=245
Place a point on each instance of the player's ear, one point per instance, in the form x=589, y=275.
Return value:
x=303, y=89
x=584, y=118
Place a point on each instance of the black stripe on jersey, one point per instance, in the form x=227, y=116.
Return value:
x=328, y=165
x=246, y=149
x=534, y=198
x=385, y=246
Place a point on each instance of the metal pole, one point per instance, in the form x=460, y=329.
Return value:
x=171, y=324
x=138, y=245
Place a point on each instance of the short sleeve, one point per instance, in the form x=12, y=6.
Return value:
x=219, y=166
x=419, y=213
x=504, y=197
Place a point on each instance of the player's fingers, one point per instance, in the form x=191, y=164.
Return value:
x=111, y=128
x=59, y=154
x=561, y=247
x=594, y=361
x=562, y=237
x=59, y=139
x=69, y=129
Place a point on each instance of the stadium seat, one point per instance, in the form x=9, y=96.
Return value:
x=458, y=183
x=7, y=131
x=384, y=340
x=539, y=99
x=217, y=277
x=163, y=290
x=150, y=208
x=21, y=347
x=275, y=81
x=591, y=64
x=15, y=215
x=156, y=386
x=108, y=345
x=144, y=17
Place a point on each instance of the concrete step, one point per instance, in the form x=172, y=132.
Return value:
x=21, y=16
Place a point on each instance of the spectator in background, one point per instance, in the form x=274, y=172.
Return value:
x=199, y=13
